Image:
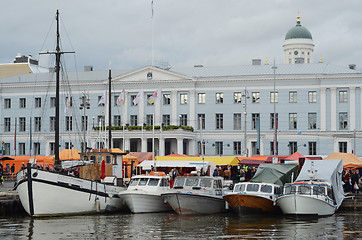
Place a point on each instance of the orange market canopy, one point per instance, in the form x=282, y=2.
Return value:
x=254, y=160
x=232, y=161
x=349, y=159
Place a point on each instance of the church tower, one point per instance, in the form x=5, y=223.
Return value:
x=298, y=45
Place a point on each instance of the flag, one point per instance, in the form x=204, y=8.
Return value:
x=138, y=98
x=120, y=99
x=103, y=99
x=67, y=104
x=258, y=132
x=152, y=99
x=15, y=138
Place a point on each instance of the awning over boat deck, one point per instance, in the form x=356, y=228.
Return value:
x=232, y=161
x=148, y=164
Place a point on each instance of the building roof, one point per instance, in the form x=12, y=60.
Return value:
x=298, y=31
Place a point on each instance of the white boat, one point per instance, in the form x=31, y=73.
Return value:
x=46, y=193
x=260, y=193
x=317, y=190
x=143, y=194
x=196, y=195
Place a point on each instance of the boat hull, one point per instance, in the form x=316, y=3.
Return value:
x=52, y=194
x=295, y=204
x=145, y=203
x=245, y=203
x=189, y=204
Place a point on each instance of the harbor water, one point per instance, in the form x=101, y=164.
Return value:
x=342, y=225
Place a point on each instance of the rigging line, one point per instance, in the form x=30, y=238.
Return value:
x=46, y=37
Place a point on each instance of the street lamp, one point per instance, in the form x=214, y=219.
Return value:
x=245, y=96
x=275, y=160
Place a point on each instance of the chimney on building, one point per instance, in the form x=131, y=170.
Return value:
x=88, y=68
x=352, y=66
x=256, y=61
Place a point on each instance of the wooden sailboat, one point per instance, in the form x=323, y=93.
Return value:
x=50, y=193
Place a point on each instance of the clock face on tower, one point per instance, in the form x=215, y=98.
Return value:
x=295, y=52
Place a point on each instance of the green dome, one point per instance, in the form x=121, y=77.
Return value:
x=298, y=32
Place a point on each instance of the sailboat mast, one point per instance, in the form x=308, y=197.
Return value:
x=109, y=109
x=57, y=163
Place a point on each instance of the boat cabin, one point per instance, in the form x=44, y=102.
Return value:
x=154, y=179
x=257, y=188
x=309, y=188
x=192, y=183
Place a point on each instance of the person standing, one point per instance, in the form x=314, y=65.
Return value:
x=12, y=169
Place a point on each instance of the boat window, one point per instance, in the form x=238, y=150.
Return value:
x=205, y=183
x=134, y=181
x=164, y=182
x=252, y=187
x=330, y=193
x=99, y=159
x=93, y=158
x=153, y=182
x=85, y=158
x=304, y=189
x=143, y=182
x=192, y=182
x=179, y=182
x=318, y=190
x=266, y=188
x=217, y=184
x=277, y=190
x=237, y=188
x=290, y=189
x=108, y=159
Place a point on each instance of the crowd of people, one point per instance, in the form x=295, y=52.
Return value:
x=241, y=174
x=352, y=181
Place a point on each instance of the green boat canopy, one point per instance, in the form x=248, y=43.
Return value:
x=275, y=173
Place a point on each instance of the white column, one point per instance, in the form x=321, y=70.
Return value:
x=352, y=108
x=158, y=110
x=141, y=109
x=162, y=147
x=127, y=144
x=174, y=117
x=179, y=145
x=323, y=109
x=144, y=145
x=191, y=147
x=333, y=109
x=125, y=109
x=192, y=113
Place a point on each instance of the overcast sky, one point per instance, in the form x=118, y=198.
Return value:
x=186, y=32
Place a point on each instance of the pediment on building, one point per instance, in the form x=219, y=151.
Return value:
x=151, y=74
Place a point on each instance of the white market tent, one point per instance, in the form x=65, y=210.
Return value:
x=148, y=164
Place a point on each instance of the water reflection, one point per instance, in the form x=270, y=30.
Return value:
x=173, y=226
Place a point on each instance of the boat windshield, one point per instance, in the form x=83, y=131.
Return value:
x=164, y=182
x=179, y=182
x=217, y=184
x=134, y=181
x=239, y=188
x=191, y=182
x=303, y=189
x=205, y=183
x=266, y=188
x=290, y=189
x=153, y=182
x=252, y=187
x=319, y=190
x=143, y=182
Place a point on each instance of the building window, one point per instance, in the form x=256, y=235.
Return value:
x=166, y=99
x=134, y=120
x=149, y=120
x=255, y=97
x=166, y=120
x=312, y=148
x=219, y=148
x=343, y=121
x=219, y=97
x=68, y=145
x=21, y=148
x=254, y=149
x=101, y=100
x=219, y=121
x=69, y=101
x=36, y=148
x=7, y=123
x=52, y=124
x=274, y=97
x=133, y=97
x=183, y=98
x=201, y=121
x=52, y=148
x=292, y=121
x=22, y=124
x=115, y=98
x=237, y=148
x=201, y=97
x=254, y=120
x=293, y=97
x=149, y=99
x=101, y=121
x=342, y=147
x=68, y=123
x=183, y=119
x=272, y=120
x=272, y=148
x=117, y=120
x=84, y=123
x=237, y=121
x=292, y=147
x=7, y=103
x=237, y=97
x=6, y=149
x=199, y=148
x=312, y=120
x=312, y=96
x=343, y=96
x=52, y=102
x=22, y=102
x=38, y=102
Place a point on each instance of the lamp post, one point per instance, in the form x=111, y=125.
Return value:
x=245, y=96
x=83, y=106
x=275, y=160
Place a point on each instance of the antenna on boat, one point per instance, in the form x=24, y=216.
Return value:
x=58, y=53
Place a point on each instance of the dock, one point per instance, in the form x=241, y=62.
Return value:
x=352, y=201
x=9, y=200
